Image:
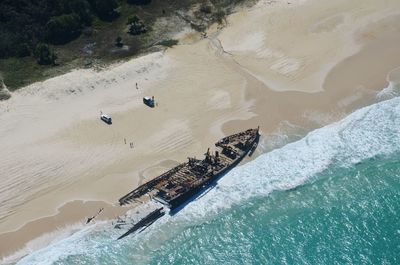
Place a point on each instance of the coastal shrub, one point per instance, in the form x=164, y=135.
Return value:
x=136, y=26
x=44, y=54
x=25, y=23
x=118, y=42
x=220, y=16
x=80, y=7
x=205, y=8
x=106, y=9
x=168, y=43
x=62, y=29
x=12, y=44
x=4, y=95
x=22, y=50
x=139, y=2
x=133, y=19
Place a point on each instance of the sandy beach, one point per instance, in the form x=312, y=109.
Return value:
x=286, y=67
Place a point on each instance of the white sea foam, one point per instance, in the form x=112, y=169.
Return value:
x=61, y=248
x=368, y=132
x=393, y=88
x=43, y=241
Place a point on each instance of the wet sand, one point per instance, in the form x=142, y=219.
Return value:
x=68, y=220
x=308, y=64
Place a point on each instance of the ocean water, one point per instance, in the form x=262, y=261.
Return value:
x=332, y=197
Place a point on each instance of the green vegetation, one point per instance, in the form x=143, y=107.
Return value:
x=168, y=43
x=139, y=2
x=44, y=54
x=21, y=71
x=133, y=19
x=220, y=16
x=136, y=26
x=25, y=23
x=4, y=95
x=206, y=8
x=105, y=9
x=118, y=42
x=62, y=29
x=44, y=38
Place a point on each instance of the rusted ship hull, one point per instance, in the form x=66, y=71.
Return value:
x=145, y=222
x=185, y=197
x=178, y=185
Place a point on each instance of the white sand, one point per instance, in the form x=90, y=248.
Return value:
x=293, y=47
x=263, y=69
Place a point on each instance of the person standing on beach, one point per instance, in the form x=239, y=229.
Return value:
x=137, y=86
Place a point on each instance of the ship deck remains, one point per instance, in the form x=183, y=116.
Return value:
x=177, y=184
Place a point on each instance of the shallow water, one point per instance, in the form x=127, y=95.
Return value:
x=332, y=197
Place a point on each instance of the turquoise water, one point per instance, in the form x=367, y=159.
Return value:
x=348, y=216
x=332, y=197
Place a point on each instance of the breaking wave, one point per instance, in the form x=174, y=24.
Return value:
x=370, y=132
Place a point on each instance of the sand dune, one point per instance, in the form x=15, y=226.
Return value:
x=288, y=50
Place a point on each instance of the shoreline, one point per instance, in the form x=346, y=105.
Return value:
x=254, y=104
x=45, y=230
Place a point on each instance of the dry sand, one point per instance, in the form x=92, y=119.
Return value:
x=278, y=65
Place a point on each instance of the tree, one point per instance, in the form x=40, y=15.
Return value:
x=82, y=9
x=118, y=42
x=220, y=16
x=136, y=26
x=22, y=50
x=44, y=54
x=106, y=9
x=62, y=29
x=139, y=2
x=205, y=8
x=133, y=19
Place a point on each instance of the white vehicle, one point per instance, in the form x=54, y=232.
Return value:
x=106, y=118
